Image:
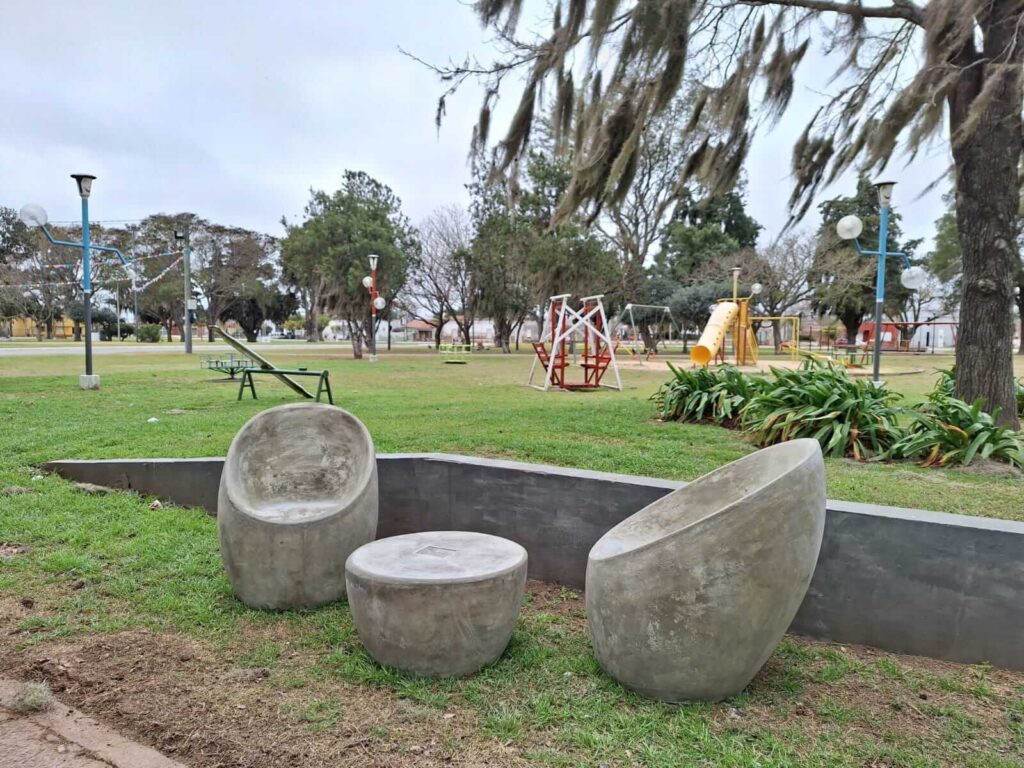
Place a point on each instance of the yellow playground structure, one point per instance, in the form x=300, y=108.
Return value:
x=731, y=318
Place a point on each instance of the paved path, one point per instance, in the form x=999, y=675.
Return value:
x=324, y=347
x=135, y=349
x=62, y=737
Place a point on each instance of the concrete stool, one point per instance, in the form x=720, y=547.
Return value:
x=436, y=604
x=687, y=598
x=298, y=495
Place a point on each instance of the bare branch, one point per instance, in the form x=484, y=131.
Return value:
x=900, y=9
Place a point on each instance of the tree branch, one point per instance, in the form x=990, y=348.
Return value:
x=900, y=9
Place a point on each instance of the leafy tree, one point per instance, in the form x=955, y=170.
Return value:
x=328, y=253
x=15, y=237
x=519, y=259
x=234, y=271
x=566, y=257
x=692, y=304
x=611, y=66
x=702, y=232
x=497, y=261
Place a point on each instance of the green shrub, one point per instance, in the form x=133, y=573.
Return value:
x=947, y=431
x=946, y=382
x=848, y=416
x=702, y=394
x=149, y=332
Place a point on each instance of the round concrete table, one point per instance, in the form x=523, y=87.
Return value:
x=436, y=604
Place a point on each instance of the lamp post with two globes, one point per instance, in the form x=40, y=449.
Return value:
x=912, y=278
x=377, y=303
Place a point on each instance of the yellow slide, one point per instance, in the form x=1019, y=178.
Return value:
x=713, y=337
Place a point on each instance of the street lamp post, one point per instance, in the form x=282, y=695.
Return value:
x=377, y=302
x=913, y=278
x=884, y=202
x=33, y=215
x=190, y=303
x=84, y=181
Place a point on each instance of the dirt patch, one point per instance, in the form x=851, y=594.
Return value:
x=9, y=550
x=989, y=468
x=211, y=706
x=869, y=692
x=188, y=700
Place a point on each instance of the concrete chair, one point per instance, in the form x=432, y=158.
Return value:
x=687, y=598
x=298, y=495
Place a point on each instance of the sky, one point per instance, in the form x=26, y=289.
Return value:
x=234, y=110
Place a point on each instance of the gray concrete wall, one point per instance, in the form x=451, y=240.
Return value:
x=932, y=584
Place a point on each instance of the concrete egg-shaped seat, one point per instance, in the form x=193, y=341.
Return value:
x=687, y=598
x=298, y=495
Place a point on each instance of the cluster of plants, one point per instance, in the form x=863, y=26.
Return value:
x=946, y=383
x=149, y=332
x=947, y=431
x=706, y=395
x=848, y=416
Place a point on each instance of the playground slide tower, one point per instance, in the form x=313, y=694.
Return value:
x=721, y=321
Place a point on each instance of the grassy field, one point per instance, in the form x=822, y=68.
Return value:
x=123, y=607
x=413, y=403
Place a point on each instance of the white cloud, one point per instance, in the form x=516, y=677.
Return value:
x=234, y=110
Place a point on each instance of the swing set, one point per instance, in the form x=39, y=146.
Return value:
x=567, y=326
x=658, y=318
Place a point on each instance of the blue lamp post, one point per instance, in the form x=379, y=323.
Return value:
x=84, y=181
x=35, y=216
x=849, y=228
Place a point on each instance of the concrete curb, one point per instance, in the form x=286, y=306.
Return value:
x=26, y=737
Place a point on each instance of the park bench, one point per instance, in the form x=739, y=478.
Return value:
x=323, y=383
x=230, y=365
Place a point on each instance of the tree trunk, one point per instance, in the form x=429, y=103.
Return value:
x=987, y=203
x=851, y=322
x=650, y=340
x=1020, y=308
x=502, y=334
x=776, y=335
x=212, y=310
x=438, y=330
x=355, y=334
x=78, y=331
x=312, y=315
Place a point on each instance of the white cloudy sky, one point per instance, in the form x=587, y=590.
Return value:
x=235, y=109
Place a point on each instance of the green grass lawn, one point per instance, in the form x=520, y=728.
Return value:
x=413, y=403
x=87, y=566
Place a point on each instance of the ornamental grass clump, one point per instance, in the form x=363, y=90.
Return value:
x=705, y=395
x=947, y=431
x=847, y=416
